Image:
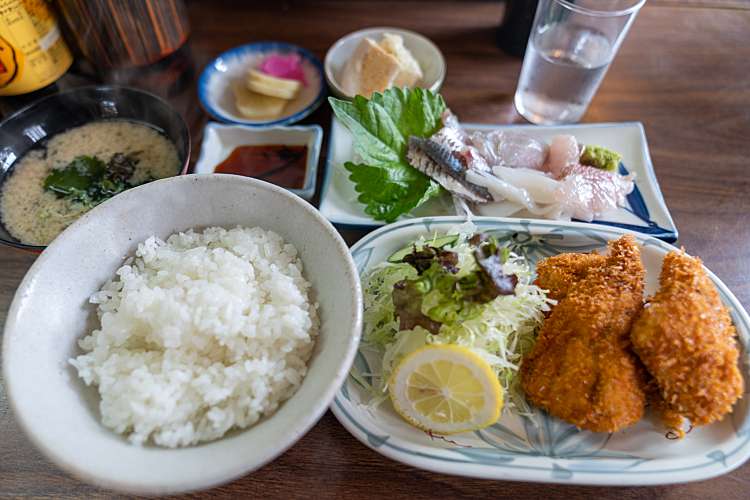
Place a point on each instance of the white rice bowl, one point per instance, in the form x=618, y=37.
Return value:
x=200, y=334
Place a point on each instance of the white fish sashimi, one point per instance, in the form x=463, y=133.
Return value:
x=588, y=192
x=512, y=149
x=563, y=154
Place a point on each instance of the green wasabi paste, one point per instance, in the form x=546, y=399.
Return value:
x=600, y=157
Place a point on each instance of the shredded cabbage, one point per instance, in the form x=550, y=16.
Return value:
x=501, y=331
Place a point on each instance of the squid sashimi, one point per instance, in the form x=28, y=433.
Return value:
x=540, y=186
x=501, y=190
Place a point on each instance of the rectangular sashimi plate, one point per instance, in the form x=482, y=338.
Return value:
x=645, y=210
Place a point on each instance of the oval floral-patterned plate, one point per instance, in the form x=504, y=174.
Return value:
x=539, y=447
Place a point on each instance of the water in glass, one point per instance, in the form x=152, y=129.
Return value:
x=562, y=69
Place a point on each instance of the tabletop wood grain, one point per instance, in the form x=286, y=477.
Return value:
x=684, y=71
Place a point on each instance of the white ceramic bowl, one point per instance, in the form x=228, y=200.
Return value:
x=50, y=312
x=219, y=140
x=426, y=53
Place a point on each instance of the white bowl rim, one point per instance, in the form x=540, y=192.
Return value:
x=185, y=485
x=328, y=60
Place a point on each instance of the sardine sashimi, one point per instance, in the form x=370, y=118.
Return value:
x=511, y=149
x=446, y=167
x=452, y=138
x=563, y=154
x=457, y=140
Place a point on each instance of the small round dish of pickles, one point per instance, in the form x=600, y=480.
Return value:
x=262, y=84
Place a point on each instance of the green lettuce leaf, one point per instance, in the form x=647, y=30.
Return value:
x=381, y=126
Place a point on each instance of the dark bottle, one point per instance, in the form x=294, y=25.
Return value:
x=513, y=34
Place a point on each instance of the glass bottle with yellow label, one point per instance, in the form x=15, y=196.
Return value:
x=33, y=54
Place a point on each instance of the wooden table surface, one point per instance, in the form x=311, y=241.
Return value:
x=684, y=71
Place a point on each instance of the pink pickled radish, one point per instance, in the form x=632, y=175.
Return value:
x=284, y=66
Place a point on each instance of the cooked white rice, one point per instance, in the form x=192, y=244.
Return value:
x=200, y=334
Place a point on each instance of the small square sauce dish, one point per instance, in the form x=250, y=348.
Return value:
x=285, y=156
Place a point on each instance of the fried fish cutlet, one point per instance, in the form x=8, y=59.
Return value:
x=686, y=340
x=557, y=274
x=581, y=368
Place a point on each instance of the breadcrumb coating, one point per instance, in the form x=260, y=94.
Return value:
x=686, y=340
x=581, y=368
x=557, y=274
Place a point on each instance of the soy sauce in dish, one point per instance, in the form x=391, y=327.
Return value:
x=277, y=163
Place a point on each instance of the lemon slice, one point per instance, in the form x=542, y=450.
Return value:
x=446, y=389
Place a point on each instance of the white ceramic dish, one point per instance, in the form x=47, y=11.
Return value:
x=646, y=211
x=215, y=83
x=426, y=53
x=50, y=312
x=219, y=140
x=538, y=447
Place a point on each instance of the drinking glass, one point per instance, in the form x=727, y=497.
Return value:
x=571, y=46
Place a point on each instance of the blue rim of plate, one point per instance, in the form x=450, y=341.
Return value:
x=264, y=46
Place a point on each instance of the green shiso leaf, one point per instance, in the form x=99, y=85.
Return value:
x=381, y=126
x=390, y=189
